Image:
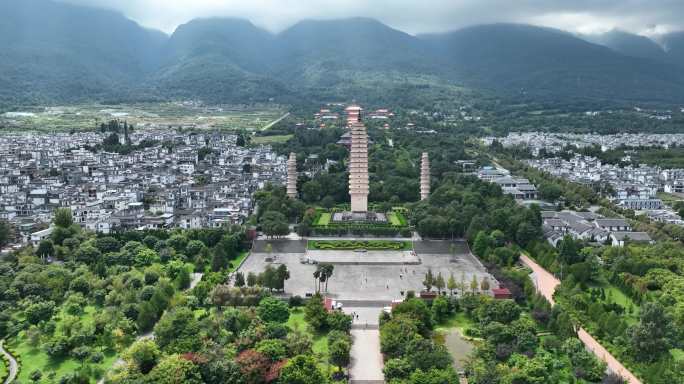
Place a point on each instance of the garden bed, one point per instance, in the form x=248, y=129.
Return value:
x=373, y=245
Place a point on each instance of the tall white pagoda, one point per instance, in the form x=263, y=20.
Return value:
x=358, y=168
x=292, y=176
x=424, y=176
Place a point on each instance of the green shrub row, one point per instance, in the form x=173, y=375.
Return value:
x=359, y=244
x=361, y=230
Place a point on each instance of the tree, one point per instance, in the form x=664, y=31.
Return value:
x=484, y=284
x=147, y=316
x=268, y=278
x=145, y=257
x=298, y=343
x=81, y=353
x=501, y=311
x=397, y=369
x=226, y=249
x=183, y=278
x=338, y=352
x=440, y=309
x=424, y=354
x=314, y=312
x=429, y=280
x=40, y=311
x=45, y=249
x=311, y=191
x=568, y=250
x=338, y=320
x=481, y=244
x=416, y=309
x=63, y=218
x=86, y=253
x=274, y=349
x=274, y=223
x=651, y=337
x=526, y=233
x=439, y=283
x=326, y=273
x=175, y=369
x=177, y=330
x=462, y=284
x=253, y=366
x=221, y=371
x=239, y=279
x=474, y=284
x=251, y=279
x=4, y=233
x=282, y=274
x=144, y=354
x=36, y=375
x=302, y=369
x=396, y=334
x=107, y=244
x=451, y=284
x=271, y=309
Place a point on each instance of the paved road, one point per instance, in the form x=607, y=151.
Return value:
x=546, y=284
x=196, y=278
x=13, y=368
x=274, y=122
x=366, y=359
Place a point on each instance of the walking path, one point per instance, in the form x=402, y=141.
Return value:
x=14, y=366
x=546, y=285
x=366, y=359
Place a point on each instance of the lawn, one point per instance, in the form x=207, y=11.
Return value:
x=33, y=358
x=4, y=370
x=394, y=219
x=320, y=341
x=615, y=295
x=459, y=321
x=324, y=219
x=372, y=245
x=234, y=264
x=270, y=139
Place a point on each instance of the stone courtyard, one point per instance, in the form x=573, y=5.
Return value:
x=384, y=279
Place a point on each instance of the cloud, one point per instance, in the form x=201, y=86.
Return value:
x=646, y=17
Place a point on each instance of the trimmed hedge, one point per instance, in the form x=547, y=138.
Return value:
x=359, y=244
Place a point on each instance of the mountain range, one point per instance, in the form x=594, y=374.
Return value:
x=54, y=52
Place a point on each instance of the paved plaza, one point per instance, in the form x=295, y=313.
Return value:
x=381, y=282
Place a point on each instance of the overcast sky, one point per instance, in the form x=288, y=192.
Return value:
x=647, y=17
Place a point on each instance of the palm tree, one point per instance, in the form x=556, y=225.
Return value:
x=317, y=278
x=327, y=271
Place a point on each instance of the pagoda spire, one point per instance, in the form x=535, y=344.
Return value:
x=424, y=176
x=292, y=176
x=358, y=168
